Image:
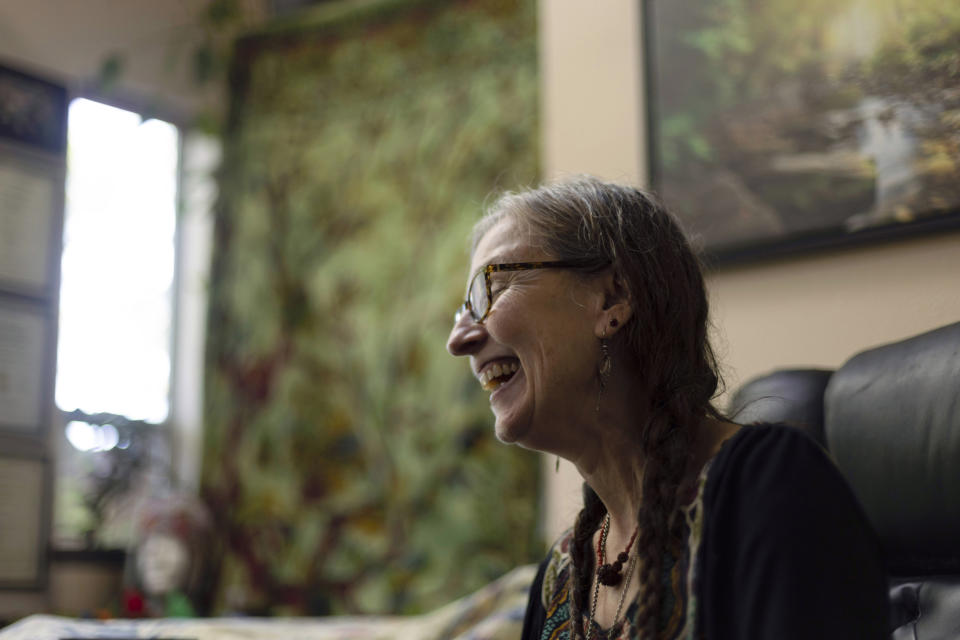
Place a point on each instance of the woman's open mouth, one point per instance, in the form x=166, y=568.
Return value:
x=498, y=374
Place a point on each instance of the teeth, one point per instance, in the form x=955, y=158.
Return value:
x=489, y=378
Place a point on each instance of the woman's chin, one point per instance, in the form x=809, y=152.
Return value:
x=508, y=432
x=512, y=428
x=507, y=403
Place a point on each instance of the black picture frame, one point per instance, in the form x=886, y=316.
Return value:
x=33, y=111
x=780, y=174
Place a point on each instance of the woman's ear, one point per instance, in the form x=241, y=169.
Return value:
x=616, y=304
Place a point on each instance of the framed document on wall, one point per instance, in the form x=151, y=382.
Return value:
x=23, y=524
x=24, y=380
x=33, y=119
x=31, y=197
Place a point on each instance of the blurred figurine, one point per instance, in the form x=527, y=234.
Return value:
x=167, y=568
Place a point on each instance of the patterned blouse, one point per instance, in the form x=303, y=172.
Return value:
x=678, y=612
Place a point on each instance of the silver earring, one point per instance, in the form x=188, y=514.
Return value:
x=606, y=366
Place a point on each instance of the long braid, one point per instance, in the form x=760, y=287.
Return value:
x=581, y=552
x=659, y=517
x=685, y=387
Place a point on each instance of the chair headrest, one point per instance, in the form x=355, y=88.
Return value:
x=892, y=423
x=791, y=396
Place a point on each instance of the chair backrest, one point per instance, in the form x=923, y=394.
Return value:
x=791, y=396
x=890, y=417
x=892, y=423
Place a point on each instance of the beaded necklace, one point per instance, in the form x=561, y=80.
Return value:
x=609, y=575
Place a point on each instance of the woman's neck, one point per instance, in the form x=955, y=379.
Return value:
x=611, y=464
x=613, y=467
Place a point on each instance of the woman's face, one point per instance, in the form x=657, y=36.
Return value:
x=537, y=351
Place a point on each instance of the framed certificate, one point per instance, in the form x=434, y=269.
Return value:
x=25, y=333
x=31, y=198
x=23, y=523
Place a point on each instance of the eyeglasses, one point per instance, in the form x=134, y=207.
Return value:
x=480, y=293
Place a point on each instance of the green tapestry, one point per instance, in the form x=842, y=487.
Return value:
x=349, y=461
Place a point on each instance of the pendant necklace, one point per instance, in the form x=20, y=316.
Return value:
x=609, y=575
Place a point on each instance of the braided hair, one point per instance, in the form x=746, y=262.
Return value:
x=599, y=224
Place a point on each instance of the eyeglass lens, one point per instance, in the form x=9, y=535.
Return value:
x=478, y=296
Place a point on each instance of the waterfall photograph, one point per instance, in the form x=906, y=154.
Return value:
x=781, y=121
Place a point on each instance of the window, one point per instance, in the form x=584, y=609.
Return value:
x=117, y=304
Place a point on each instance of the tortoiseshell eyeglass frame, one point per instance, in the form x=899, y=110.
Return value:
x=503, y=266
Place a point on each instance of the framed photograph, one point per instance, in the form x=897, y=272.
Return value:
x=23, y=522
x=33, y=111
x=31, y=201
x=786, y=125
x=25, y=377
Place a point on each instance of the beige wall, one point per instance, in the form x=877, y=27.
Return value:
x=810, y=311
x=68, y=40
x=591, y=75
x=820, y=310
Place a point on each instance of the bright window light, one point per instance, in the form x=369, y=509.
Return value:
x=93, y=437
x=118, y=263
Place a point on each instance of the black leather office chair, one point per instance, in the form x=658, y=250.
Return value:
x=890, y=417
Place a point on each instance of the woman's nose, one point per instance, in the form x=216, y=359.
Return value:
x=466, y=337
